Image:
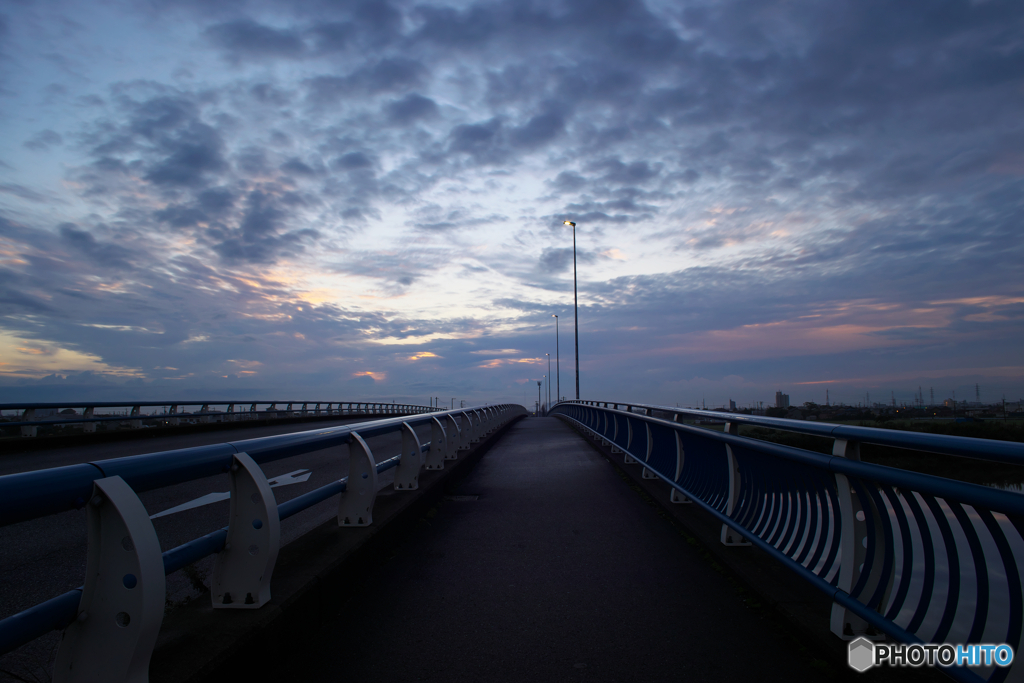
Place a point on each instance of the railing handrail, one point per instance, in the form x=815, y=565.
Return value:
x=980, y=449
x=29, y=495
x=1007, y=501
x=145, y=472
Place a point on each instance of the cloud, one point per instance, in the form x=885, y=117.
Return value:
x=106, y=255
x=539, y=130
x=369, y=182
x=247, y=39
x=385, y=75
x=26, y=193
x=412, y=107
x=43, y=140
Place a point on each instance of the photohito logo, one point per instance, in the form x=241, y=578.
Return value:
x=864, y=654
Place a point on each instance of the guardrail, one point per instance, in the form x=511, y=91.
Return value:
x=921, y=558
x=111, y=623
x=30, y=422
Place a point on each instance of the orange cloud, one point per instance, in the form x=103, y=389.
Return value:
x=498, y=362
x=376, y=376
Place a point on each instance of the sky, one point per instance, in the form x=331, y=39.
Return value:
x=355, y=200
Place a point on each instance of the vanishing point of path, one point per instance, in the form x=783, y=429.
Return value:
x=558, y=571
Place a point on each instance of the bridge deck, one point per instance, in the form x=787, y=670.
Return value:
x=557, y=571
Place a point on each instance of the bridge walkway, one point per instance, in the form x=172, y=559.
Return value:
x=546, y=567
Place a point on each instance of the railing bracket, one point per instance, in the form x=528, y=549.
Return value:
x=356, y=505
x=122, y=605
x=247, y=562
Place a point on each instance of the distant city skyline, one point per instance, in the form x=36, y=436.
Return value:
x=365, y=200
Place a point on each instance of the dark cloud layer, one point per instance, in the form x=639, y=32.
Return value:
x=776, y=161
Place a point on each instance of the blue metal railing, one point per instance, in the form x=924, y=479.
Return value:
x=982, y=449
x=918, y=557
x=31, y=495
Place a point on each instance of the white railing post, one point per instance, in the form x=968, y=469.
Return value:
x=356, y=505
x=28, y=416
x=122, y=605
x=729, y=535
x=135, y=424
x=615, y=434
x=676, y=496
x=647, y=473
x=466, y=433
x=627, y=458
x=241, y=574
x=853, y=548
x=454, y=443
x=407, y=475
x=88, y=427
x=438, y=445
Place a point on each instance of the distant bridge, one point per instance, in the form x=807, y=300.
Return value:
x=916, y=557
x=35, y=415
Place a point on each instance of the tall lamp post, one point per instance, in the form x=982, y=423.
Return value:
x=549, y=380
x=575, y=306
x=558, y=369
x=538, y=397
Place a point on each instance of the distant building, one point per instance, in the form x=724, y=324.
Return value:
x=781, y=400
x=732, y=404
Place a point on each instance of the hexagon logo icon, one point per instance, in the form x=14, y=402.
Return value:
x=861, y=655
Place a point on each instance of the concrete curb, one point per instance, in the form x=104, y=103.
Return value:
x=312, y=580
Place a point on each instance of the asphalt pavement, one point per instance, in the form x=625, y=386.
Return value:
x=545, y=566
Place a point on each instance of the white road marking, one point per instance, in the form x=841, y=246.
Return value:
x=296, y=477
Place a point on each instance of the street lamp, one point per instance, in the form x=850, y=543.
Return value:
x=575, y=306
x=538, y=397
x=558, y=369
x=549, y=380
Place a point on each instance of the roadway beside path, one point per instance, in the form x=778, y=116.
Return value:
x=28, y=454
x=545, y=566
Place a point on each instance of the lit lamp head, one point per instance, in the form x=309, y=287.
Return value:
x=569, y=223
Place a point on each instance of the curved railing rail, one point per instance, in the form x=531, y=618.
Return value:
x=921, y=558
x=981, y=449
x=29, y=421
x=110, y=624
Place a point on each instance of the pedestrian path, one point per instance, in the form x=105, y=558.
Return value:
x=546, y=566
